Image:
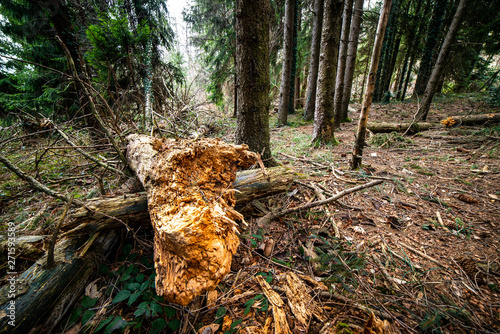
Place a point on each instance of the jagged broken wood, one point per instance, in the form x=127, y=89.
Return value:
x=189, y=184
x=132, y=209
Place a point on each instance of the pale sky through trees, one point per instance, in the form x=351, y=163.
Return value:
x=175, y=8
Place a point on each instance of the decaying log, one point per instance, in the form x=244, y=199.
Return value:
x=42, y=295
x=384, y=127
x=189, y=184
x=26, y=247
x=132, y=209
x=470, y=119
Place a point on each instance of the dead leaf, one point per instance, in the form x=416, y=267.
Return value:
x=226, y=323
x=209, y=329
x=377, y=326
x=92, y=290
x=211, y=297
x=359, y=229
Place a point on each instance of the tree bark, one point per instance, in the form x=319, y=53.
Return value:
x=440, y=63
x=431, y=44
x=357, y=153
x=286, y=82
x=384, y=127
x=330, y=39
x=43, y=296
x=252, y=71
x=310, y=104
x=386, y=53
x=351, y=57
x=132, y=209
x=340, y=80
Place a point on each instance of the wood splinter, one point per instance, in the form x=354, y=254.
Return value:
x=190, y=200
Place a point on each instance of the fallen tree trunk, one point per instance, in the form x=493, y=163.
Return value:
x=43, y=295
x=384, y=127
x=36, y=301
x=470, y=119
x=132, y=209
x=189, y=185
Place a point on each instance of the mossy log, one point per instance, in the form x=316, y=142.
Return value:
x=43, y=295
x=470, y=119
x=26, y=246
x=384, y=127
x=452, y=121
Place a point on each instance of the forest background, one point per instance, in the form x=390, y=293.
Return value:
x=76, y=77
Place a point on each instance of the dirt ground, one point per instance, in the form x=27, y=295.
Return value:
x=421, y=250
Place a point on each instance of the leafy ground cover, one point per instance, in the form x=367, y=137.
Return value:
x=420, y=250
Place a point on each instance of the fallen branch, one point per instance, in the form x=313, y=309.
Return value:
x=273, y=215
x=422, y=254
x=85, y=154
x=328, y=214
x=34, y=183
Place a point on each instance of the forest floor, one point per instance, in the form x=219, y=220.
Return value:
x=421, y=250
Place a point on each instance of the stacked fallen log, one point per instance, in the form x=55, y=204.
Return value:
x=191, y=203
x=43, y=295
x=36, y=300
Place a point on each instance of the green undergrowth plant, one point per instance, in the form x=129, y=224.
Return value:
x=337, y=263
x=390, y=140
x=129, y=300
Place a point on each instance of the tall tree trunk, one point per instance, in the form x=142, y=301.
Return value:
x=413, y=51
x=344, y=41
x=298, y=61
x=357, y=153
x=293, y=72
x=252, y=71
x=312, y=82
x=235, y=102
x=286, y=73
x=438, y=69
x=386, y=53
x=330, y=39
x=431, y=44
x=351, y=57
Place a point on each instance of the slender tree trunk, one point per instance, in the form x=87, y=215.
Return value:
x=252, y=71
x=351, y=57
x=293, y=73
x=297, y=103
x=386, y=53
x=313, y=67
x=235, y=102
x=330, y=40
x=357, y=153
x=367, y=69
x=344, y=41
x=414, y=47
x=431, y=44
x=286, y=73
x=437, y=72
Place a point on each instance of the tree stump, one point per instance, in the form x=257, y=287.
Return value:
x=190, y=201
